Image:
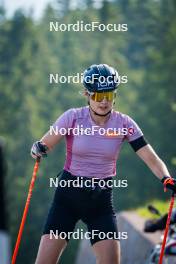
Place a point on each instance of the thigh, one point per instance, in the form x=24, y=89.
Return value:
x=104, y=238
x=50, y=250
x=59, y=225
x=62, y=218
x=102, y=227
x=107, y=251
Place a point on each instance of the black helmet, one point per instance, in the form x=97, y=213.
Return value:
x=100, y=78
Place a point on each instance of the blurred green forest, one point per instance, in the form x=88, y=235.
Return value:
x=29, y=104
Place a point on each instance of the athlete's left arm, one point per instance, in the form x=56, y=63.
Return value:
x=149, y=156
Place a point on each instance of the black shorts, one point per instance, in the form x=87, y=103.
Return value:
x=71, y=204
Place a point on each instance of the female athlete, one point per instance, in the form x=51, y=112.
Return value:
x=94, y=135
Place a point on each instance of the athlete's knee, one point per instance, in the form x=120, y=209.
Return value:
x=107, y=252
x=50, y=250
x=108, y=259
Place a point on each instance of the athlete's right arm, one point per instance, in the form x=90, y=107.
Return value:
x=50, y=139
x=46, y=143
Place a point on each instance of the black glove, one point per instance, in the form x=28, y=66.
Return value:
x=169, y=183
x=39, y=150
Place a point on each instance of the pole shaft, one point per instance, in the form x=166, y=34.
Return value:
x=34, y=175
x=166, y=230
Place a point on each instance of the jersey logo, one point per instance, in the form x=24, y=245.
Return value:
x=130, y=131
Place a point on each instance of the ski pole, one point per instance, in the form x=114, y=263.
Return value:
x=166, y=229
x=36, y=166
